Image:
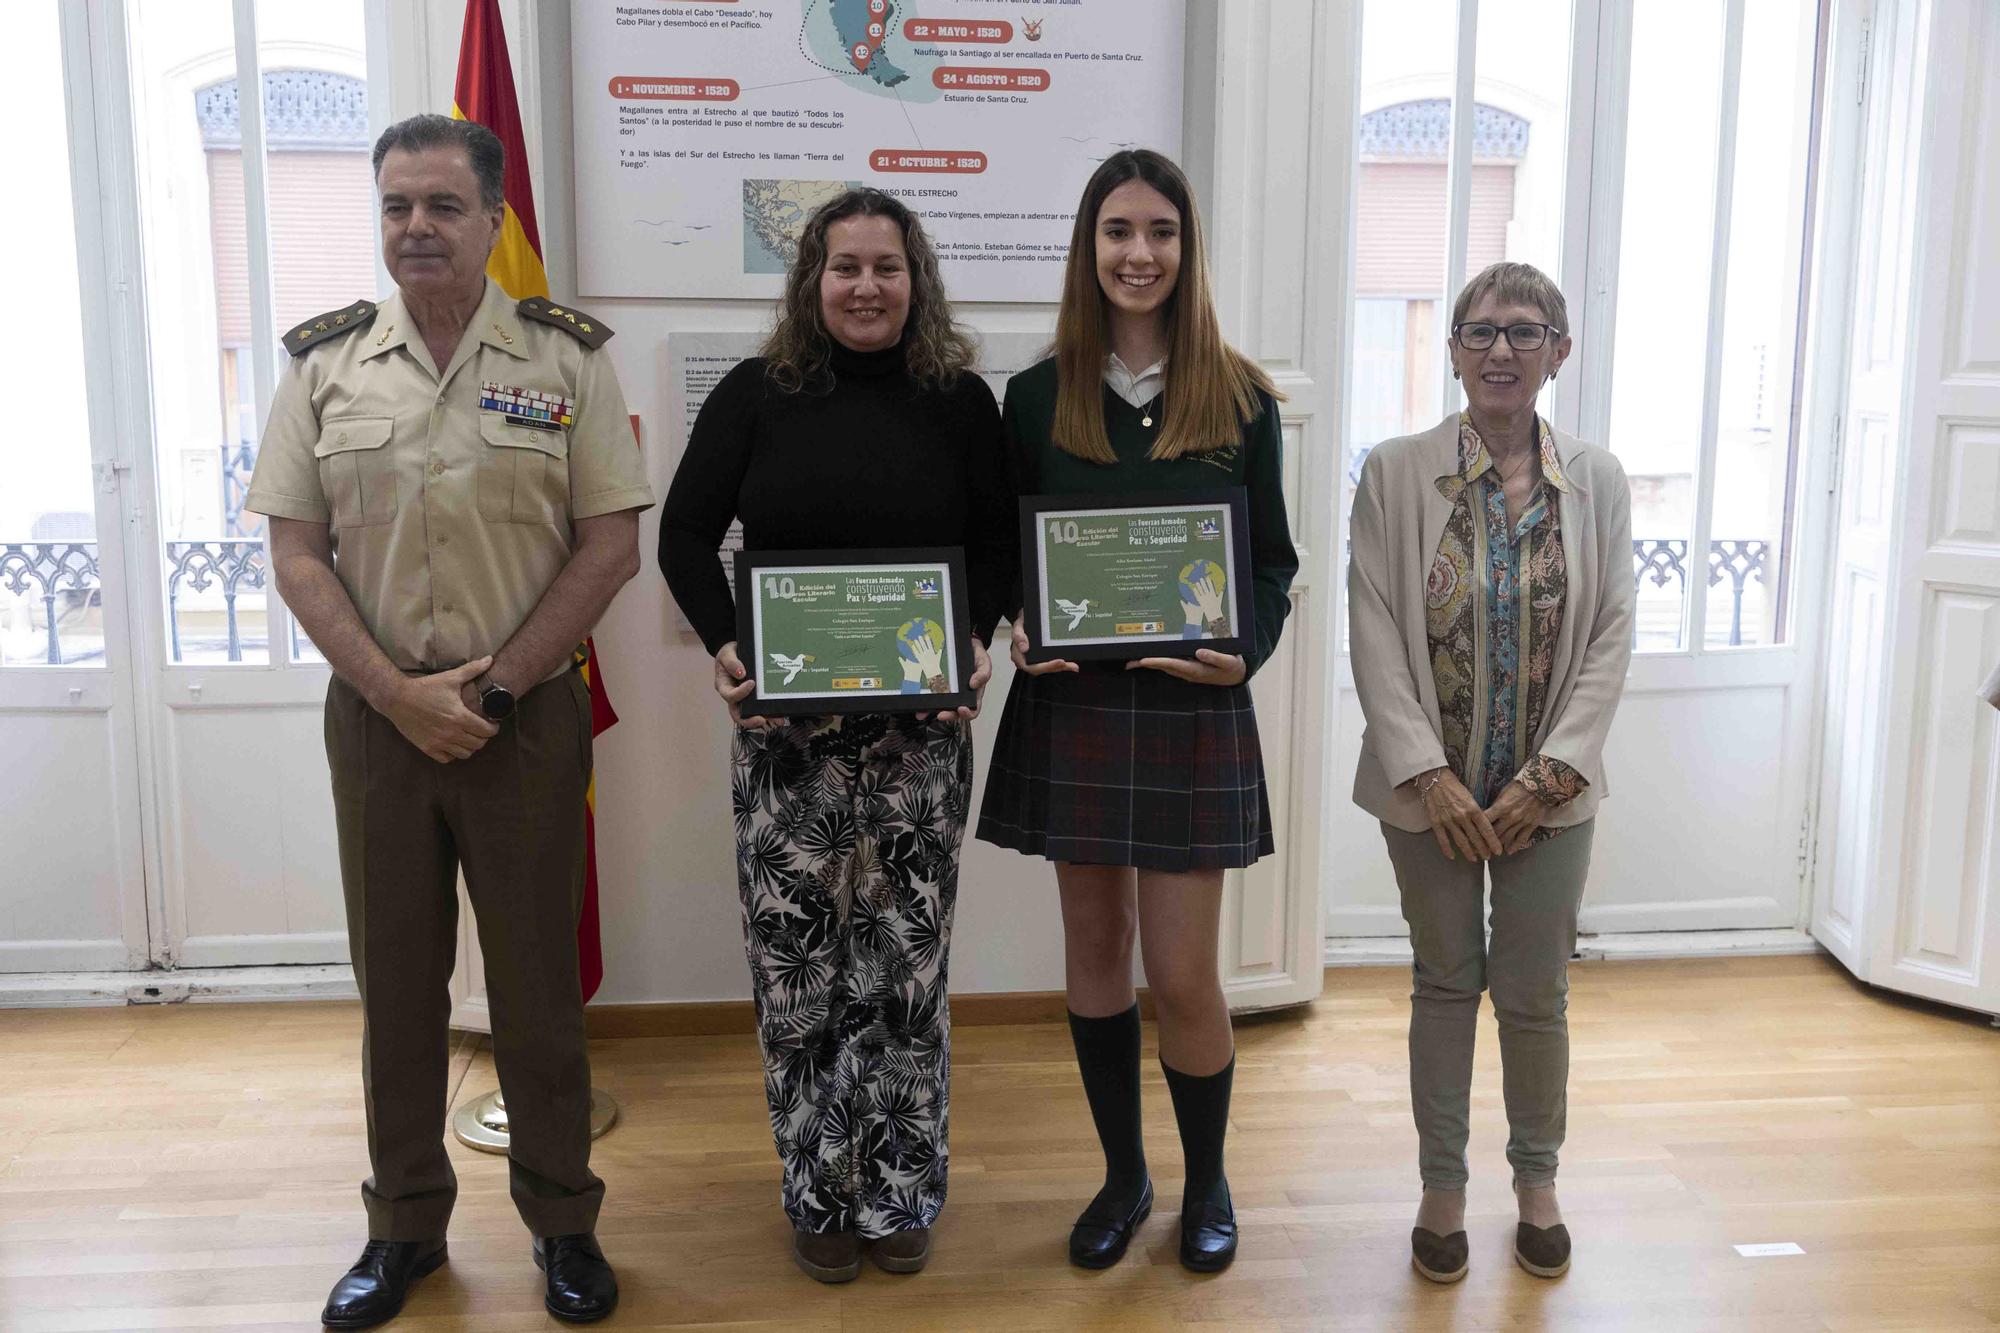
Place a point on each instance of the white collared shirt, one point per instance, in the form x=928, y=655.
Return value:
x=1139, y=389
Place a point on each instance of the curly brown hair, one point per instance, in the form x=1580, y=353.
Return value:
x=797, y=354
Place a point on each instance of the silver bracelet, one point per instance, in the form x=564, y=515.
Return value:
x=1436, y=776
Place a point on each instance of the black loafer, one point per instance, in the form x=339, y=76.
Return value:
x=1100, y=1236
x=373, y=1290
x=1543, y=1251
x=1208, y=1236
x=1439, y=1258
x=581, y=1285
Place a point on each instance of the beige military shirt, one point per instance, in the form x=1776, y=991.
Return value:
x=452, y=497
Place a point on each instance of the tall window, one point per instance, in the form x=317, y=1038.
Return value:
x=1401, y=207
x=319, y=191
x=1709, y=137
x=51, y=607
x=235, y=256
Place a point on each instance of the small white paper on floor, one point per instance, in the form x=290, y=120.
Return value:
x=1768, y=1248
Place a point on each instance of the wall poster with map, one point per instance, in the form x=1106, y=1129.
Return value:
x=707, y=131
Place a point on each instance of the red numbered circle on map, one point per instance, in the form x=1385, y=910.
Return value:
x=878, y=7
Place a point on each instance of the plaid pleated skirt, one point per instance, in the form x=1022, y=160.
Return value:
x=1128, y=768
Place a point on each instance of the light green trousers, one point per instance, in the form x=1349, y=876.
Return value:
x=1525, y=963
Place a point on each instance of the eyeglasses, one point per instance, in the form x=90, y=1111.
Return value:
x=1520, y=337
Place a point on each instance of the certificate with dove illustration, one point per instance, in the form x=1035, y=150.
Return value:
x=853, y=631
x=1156, y=575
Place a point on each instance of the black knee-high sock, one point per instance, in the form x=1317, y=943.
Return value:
x=1107, y=1053
x=1201, y=1109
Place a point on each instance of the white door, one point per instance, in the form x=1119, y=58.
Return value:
x=1623, y=147
x=1911, y=899
x=254, y=212
x=1278, y=182
x=72, y=882
x=1878, y=200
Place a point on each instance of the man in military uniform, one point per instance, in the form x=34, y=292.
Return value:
x=454, y=493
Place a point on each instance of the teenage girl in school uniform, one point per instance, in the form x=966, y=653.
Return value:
x=1143, y=781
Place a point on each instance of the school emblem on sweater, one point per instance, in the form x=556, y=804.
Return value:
x=527, y=407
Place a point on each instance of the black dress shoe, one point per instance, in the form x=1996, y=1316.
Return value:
x=1439, y=1258
x=1208, y=1236
x=581, y=1286
x=1099, y=1238
x=1543, y=1251
x=373, y=1290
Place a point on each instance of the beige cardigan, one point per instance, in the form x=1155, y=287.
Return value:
x=1399, y=517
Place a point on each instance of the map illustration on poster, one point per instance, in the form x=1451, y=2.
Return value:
x=707, y=131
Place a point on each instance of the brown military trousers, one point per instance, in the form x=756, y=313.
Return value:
x=513, y=816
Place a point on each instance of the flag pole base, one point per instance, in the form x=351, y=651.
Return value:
x=482, y=1122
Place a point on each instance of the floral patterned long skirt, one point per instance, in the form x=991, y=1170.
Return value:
x=847, y=840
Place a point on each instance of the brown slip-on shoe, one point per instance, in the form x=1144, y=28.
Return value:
x=1543, y=1251
x=1440, y=1258
x=827, y=1256
x=902, y=1251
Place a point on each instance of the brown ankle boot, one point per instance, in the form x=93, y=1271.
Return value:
x=827, y=1256
x=902, y=1251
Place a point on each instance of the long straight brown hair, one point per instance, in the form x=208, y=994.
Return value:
x=1211, y=391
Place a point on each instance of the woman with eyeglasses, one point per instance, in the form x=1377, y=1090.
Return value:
x=1490, y=601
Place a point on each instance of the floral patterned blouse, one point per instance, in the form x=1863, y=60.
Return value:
x=1495, y=599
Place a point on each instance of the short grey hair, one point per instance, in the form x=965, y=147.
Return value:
x=1514, y=284
x=480, y=145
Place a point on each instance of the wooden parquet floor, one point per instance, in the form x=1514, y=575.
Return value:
x=196, y=1167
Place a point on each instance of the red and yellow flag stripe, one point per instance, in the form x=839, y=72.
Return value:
x=484, y=92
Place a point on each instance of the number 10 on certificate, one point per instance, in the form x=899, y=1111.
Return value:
x=1142, y=576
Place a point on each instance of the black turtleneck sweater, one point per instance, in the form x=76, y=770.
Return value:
x=878, y=462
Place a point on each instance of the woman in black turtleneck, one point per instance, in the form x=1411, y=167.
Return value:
x=862, y=425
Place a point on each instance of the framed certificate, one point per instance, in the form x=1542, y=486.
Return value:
x=1124, y=576
x=853, y=631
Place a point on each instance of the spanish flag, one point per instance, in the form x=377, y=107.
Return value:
x=484, y=92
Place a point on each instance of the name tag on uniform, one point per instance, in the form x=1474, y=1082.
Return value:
x=527, y=407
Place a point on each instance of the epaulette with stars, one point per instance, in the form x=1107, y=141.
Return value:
x=332, y=324
x=587, y=329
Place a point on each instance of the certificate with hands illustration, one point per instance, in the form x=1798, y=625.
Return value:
x=1127, y=576
x=853, y=631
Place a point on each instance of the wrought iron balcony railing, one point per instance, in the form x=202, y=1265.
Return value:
x=64, y=572
x=198, y=565
x=62, y=576
x=1664, y=561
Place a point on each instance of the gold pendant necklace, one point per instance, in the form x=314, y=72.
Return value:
x=1146, y=412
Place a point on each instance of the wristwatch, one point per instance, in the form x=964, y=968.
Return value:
x=496, y=701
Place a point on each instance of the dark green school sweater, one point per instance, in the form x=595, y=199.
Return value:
x=1254, y=463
